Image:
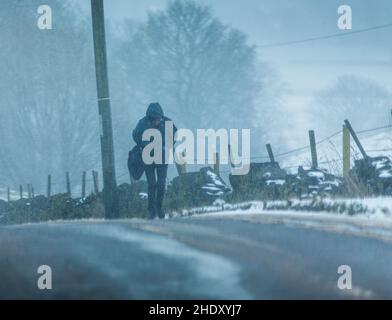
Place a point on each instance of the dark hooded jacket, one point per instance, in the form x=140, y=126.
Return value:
x=153, y=110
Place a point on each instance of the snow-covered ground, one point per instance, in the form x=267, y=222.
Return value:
x=366, y=217
x=374, y=217
x=364, y=226
x=372, y=208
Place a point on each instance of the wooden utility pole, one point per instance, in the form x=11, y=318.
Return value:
x=107, y=149
x=346, y=151
x=270, y=153
x=313, y=149
x=21, y=191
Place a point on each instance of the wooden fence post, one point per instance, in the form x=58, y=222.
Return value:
x=84, y=184
x=29, y=191
x=231, y=157
x=49, y=186
x=94, y=182
x=181, y=168
x=216, y=163
x=313, y=149
x=68, y=184
x=355, y=137
x=21, y=191
x=95, y=179
x=346, y=151
x=270, y=153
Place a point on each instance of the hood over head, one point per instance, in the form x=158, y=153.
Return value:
x=154, y=110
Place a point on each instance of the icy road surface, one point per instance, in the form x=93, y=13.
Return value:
x=212, y=256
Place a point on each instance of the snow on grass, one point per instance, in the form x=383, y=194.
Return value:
x=370, y=217
x=374, y=208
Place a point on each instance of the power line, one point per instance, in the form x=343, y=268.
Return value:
x=335, y=35
x=330, y=137
x=292, y=151
x=307, y=147
x=374, y=129
x=379, y=150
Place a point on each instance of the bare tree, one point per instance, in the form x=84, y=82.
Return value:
x=203, y=72
x=49, y=122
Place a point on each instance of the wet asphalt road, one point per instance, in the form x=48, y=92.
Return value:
x=190, y=258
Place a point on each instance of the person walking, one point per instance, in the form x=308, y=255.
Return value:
x=155, y=172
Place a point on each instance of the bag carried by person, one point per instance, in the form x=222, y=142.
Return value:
x=135, y=163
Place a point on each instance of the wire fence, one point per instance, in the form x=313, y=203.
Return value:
x=198, y=162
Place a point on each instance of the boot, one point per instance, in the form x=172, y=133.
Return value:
x=152, y=212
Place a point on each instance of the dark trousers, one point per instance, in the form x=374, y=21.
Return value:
x=156, y=180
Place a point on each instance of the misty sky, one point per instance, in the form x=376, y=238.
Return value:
x=305, y=67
